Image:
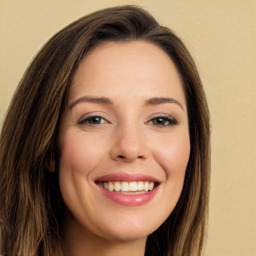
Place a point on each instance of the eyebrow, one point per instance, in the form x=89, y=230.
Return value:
x=99, y=100
x=107, y=101
x=162, y=100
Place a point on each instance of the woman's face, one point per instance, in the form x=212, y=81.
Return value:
x=124, y=142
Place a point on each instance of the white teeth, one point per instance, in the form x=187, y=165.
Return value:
x=110, y=186
x=141, y=185
x=125, y=186
x=132, y=186
x=105, y=185
x=117, y=186
x=146, y=186
x=150, y=185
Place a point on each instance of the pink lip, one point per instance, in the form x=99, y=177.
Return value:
x=126, y=177
x=128, y=199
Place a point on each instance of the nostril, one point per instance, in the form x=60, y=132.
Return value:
x=124, y=157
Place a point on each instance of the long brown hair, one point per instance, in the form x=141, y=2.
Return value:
x=30, y=199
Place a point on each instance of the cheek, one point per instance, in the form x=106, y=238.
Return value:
x=173, y=155
x=80, y=153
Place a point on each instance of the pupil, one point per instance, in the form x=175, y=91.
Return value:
x=95, y=119
x=160, y=120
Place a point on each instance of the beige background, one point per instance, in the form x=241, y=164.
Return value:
x=221, y=36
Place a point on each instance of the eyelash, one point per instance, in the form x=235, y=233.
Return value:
x=168, y=121
x=90, y=118
x=171, y=121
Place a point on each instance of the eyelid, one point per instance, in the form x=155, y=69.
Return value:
x=90, y=115
x=173, y=121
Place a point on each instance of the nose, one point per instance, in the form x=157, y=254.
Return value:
x=128, y=145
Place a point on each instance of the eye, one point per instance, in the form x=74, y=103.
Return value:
x=93, y=120
x=163, y=121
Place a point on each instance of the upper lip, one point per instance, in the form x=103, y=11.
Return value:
x=124, y=176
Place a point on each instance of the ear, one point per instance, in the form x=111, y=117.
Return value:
x=51, y=165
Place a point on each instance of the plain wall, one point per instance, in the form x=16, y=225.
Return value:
x=221, y=35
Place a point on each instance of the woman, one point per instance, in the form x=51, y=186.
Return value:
x=105, y=147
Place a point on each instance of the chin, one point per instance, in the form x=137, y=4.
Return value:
x=130, y=229
x=128, y=235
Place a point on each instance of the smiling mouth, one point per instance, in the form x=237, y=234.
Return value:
x=126, y=187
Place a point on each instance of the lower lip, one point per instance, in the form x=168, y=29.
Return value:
x=128, y=199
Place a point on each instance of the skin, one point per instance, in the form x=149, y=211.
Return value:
x=128, y=138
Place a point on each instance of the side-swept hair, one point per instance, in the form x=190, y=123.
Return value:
x=30, y=198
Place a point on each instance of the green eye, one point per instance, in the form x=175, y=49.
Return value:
x=160, y=121
x=93, y=120
x=163, y=121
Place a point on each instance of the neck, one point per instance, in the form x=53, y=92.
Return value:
x=80, y=242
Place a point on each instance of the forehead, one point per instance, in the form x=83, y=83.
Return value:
x=136, y=68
